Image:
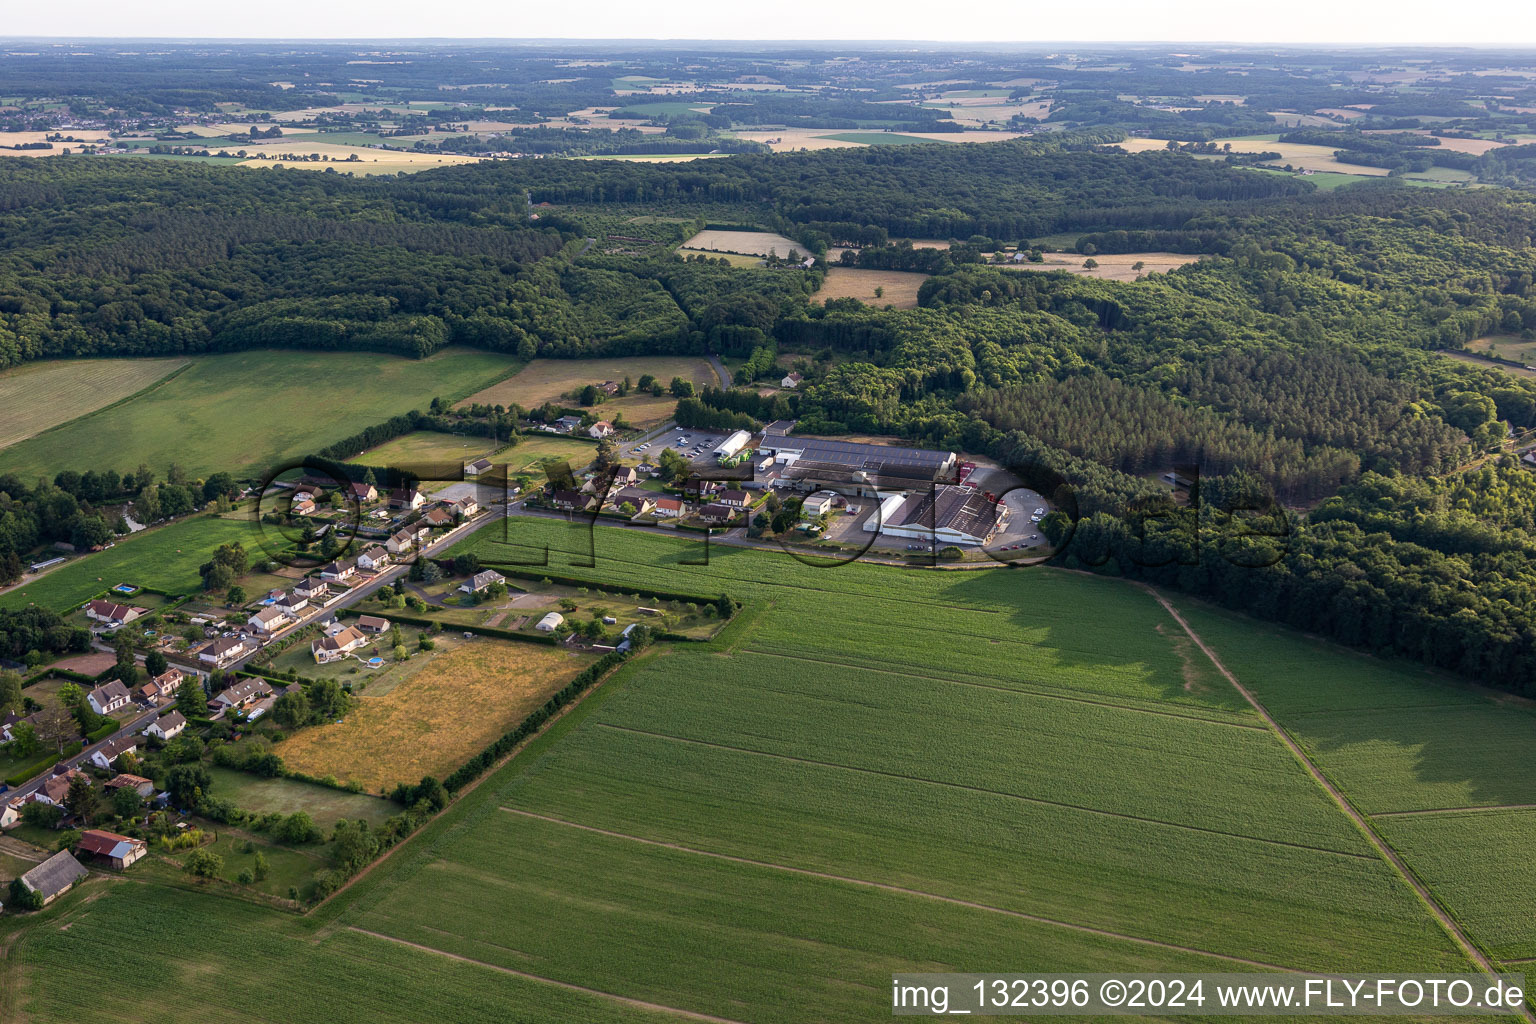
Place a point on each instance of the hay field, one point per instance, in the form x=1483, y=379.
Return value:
x=1477, y=147
x=1508, y=346
x=1111, y=267
x=784, y=140
x=1348, y=113
x=748, y=243
x=38, y=396
x=455, y=706
x=735, y=259
x=1297, y=154
x=428, y=446
x=369, y=161
x=27, y=138
x=555, y=380
x=899, y=287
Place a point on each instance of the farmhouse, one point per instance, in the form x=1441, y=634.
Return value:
x=362, y=493
x=338, y=572
x=54, y=876
x=372, y=623
x=791, y=380
x=480, y=580
x=268, y=620
x=407, y=499
x=374, y=559
x=226, y=651
x=600, y=429
x=112, y=615
x=477, y=467
x=167, y=727
x=951, y=515
x=108, y=697
x=107, y=754
x=241, y=694
x=337, y=646
x=550, y=622
x=118, y=851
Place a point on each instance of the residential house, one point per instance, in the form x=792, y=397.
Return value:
x=609, y=387
x=437, y=518
x=735, y=499
x=406, y=499
x=480, y=580
x=225, y=651
x=792, y=380
x=8, y=726
x=167, y=727
x=241, y=694
x=477, y=467
x=268, y=620
x=312, y=588
x=54, y=876
x=339, y=572
x=715, y=512
x=338, y=645
x=118, y=851
x=566, y=424
x=290, y=603
x=549, y=622
x=10, y=811
x=642, y=500
x=106, y=755
x=600, y=429
x=670, y=508
x=466, y=507
x=400, y=542
x=162, y=688
x=108, y=697
x=570, y=501
x=303, y=495
x=362, y=493
x=372, y=623
x=303, y=508
x=374, y=559
x=112, y=615
x=55, y=788
x=138, y=783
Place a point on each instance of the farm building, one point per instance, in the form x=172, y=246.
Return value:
x=138, y=783
x=948, y=515
x=54, y=876
x=550, y=622
x=118, y=851
x=733, y=444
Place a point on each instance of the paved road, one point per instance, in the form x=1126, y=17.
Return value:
x=132, y=727
x=720, y=371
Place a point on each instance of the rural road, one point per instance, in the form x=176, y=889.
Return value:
x=1361, y=822
x=720, y=371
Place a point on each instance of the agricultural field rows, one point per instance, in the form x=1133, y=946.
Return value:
x=39, y=396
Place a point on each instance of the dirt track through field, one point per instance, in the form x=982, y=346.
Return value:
x=901, y=890
x=638, y=1003
x=1454, y=930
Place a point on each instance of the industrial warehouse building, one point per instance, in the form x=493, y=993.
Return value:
x=853, y=467
x=944, y=514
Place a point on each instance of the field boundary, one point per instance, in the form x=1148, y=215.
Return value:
x=186, y=365
x=899, y=890
x=1361, y=821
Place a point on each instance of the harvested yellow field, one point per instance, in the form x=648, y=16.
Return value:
x=369, y=161
x=898, y=288
x=1347, y=113
x=1113, y=267
x=38, y=396
x=1477, y=147
x=735, y=259
x=559, y=380
x=1297, y=154
x=748, y=243
x=784, y=140
x=9, y=139
x=459, y=702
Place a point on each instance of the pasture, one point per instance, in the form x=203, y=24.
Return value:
x=462, y=699
x=35, y=397
x=245, y=412
x=285, y=796
x=898, y=288
x=560, y=381
x=429, y=446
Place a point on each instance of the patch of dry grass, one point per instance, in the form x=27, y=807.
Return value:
x=898, y=287
x=555, y=380
x=1111, y=266
x=456, y=705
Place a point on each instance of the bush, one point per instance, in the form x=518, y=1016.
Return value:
x=203, y=864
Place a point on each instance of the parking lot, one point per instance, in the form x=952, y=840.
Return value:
x=697, y=446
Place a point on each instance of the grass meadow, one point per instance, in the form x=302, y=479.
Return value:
x=39, y=396
x=875, y=770
x=245, y=412
x=559, y=380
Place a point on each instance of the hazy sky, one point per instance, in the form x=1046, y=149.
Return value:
x=1498, y=22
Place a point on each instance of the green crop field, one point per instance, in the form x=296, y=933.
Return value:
x=246, y=411
x=165, y=558
x=877, y=770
